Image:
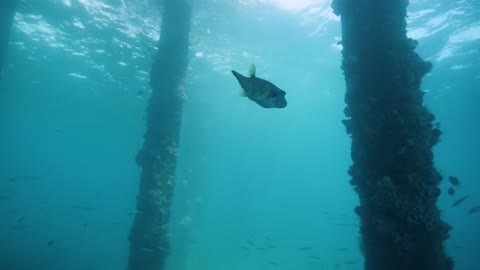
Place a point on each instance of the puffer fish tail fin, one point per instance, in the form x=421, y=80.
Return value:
x=242, y=92
x=252, y=70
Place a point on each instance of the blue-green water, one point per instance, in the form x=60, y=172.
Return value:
x=257, y=188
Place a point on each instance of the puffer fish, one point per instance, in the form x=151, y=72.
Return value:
x=263, y=92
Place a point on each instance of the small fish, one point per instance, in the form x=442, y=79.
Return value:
x=5, y=198
x=273, y=264
x=459, y=201
x=342, y=249
x=270, y=246
x=451, y=191
x=83, y=207
x=245, y=248
x=346, y=225
x=50, y=243
x=163, y=249
x=263, y=92
x=314, y=257
x=474, y=209
x=17, y=227
x=21, y=219
x=454, y=180
x=26, y=178
x=305, y=248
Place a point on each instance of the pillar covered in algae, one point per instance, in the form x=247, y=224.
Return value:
x=7, y=13
x=393, y=134
x=149, y=236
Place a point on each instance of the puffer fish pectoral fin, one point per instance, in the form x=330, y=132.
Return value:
x=252, y=70
x=242, y=92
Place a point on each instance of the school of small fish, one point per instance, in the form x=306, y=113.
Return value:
x=455, y=182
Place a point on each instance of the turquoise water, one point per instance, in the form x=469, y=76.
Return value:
x=257, y=188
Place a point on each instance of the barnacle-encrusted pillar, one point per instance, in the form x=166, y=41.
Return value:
x=149, y=241
x=7, y=12
x=392, y=139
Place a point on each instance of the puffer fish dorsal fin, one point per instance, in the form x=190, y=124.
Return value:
x=242, y=92
x=252, y=70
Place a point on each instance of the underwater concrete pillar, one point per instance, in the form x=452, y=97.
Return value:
x=7, y=13
x=393, y=134
x=149, y=235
